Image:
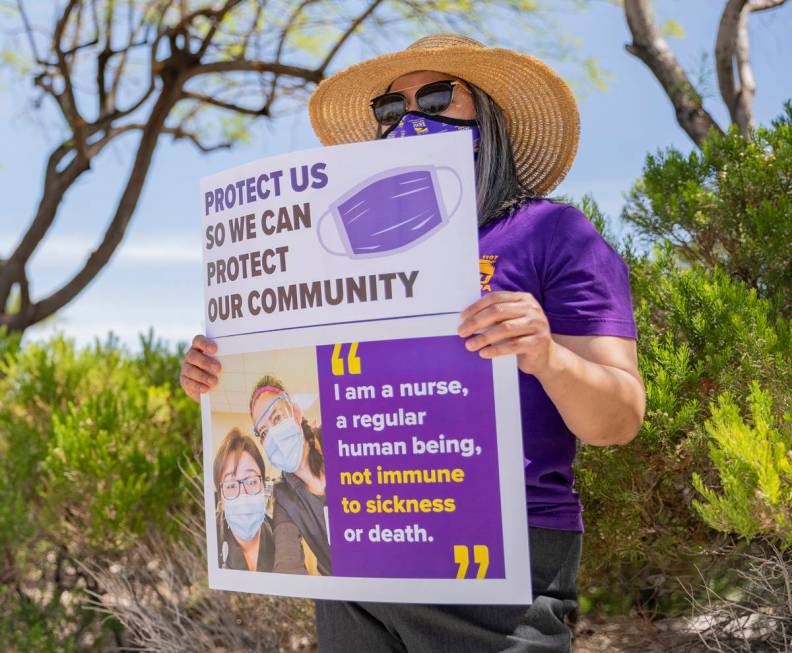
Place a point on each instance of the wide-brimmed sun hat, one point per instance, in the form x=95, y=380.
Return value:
x=542, y=114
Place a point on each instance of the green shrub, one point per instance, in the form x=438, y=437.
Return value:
x=113, y=454
x=728, y=205
x=748, y=494
x=27, y=626
x=92, y=447
x=753, y=465
x=712, y=304
x=101, y=510
x=700, y=333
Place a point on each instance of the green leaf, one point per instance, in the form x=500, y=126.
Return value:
x=673, y=30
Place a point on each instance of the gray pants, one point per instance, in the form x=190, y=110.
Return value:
x=345, y=626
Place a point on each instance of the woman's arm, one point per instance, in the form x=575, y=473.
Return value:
x=595, y=385
x=592, y=380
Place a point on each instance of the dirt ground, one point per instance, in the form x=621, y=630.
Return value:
x=635, y=635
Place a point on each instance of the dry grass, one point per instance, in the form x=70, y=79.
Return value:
x=760, y=619
x=160, y=596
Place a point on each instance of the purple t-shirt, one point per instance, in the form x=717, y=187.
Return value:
x=553, y=251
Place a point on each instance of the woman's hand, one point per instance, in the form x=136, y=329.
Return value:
x=199, y=370
x=510, y=323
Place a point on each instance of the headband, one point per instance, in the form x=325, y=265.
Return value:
x=263, y=389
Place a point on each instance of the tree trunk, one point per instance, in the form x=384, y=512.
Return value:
x=651, y=48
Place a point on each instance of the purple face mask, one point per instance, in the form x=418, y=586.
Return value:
x=415, y=123
x=390, y=212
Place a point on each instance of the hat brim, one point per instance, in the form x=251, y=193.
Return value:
x=542, y=114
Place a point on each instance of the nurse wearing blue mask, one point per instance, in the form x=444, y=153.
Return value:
x=245, y=539
x=294, y=447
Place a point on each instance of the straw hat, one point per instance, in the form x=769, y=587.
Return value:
x=542, y=114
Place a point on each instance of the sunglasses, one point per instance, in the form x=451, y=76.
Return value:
x=432, y=98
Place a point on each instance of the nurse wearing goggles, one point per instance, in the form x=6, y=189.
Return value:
x=279, y=433
x=294, y=447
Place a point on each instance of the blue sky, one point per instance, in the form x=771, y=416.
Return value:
x=155, y=277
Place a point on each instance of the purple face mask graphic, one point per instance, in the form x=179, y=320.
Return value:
x=390, y=212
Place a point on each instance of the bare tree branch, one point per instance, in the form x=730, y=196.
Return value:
x=353, y=26
x=249, y=34
x=121, y=67
x=732, y=50
x=101, y=62
x=24, y=292
x=68, y=102
x=144, y=53
x=761, y=5
x=81, y=46
x=115, y=232
x=180, y=133
x=307, y=74
x=29, y=32
x=651, y=48
x=732, y=44
x=55, y=186
x=217, y=19
x=285, y=33
x=228, y=106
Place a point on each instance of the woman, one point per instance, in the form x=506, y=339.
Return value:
x=245, y=539
x=556, y=295
x=295, y=448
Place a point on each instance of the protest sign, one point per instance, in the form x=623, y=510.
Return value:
x=353, y=448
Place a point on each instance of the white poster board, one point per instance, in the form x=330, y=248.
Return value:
x=353, y=448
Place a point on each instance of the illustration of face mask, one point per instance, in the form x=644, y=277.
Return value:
x=284, y=445
x=390, y=212
x=245, y=514
x=415, y=123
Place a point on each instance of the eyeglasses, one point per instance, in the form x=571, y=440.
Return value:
x=431, y=98
x=277, y=409
x=231, y=488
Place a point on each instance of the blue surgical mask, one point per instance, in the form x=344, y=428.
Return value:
x=245, y=514
x=284, y=445
x=415, y=123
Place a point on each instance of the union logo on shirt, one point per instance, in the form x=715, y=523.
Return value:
x=486, y=272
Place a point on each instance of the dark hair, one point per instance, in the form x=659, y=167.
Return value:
x=234, y=444
x=498, y=188
x=312, y=436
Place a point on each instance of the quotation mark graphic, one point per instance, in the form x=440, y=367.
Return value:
x=337, y=362
x=480, y=557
